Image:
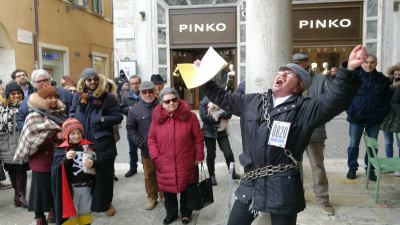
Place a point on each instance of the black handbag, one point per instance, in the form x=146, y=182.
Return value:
x=200, y=194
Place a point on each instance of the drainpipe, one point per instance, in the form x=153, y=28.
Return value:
x=35, y=35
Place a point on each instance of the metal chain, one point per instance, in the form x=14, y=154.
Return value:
x=265, y=107
x=271, y=169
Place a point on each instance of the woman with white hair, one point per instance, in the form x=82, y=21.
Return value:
x=176, y=145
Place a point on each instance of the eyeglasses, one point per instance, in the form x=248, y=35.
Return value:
x=145, y=92
x=41, y=81
x=20, y=75
x=94, y=79
x=15, y=93
x=134, y=83
x=173, y=100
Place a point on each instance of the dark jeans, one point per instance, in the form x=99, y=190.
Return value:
x=171, y=205
x=223, y=143
x=389, y=143
x=355, y=132
x=133, y=155
x=240, y=215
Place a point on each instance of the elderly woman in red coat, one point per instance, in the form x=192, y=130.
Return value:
x=176, y=145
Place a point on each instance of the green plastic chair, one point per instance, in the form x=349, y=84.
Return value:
x=380, y=164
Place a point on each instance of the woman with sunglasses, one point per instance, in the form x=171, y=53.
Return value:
x=176, y=145
x=8, y=143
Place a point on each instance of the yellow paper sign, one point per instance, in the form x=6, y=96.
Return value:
x=210, y=65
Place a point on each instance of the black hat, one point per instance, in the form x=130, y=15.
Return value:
x=156, y=79
x=13, y=87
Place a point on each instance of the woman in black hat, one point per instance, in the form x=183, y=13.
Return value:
x=8, y=143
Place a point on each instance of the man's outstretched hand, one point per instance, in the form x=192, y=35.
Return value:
x=357, y=57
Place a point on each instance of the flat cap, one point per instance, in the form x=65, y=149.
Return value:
x=299, y=57
x=146, y=85
x=300, y=72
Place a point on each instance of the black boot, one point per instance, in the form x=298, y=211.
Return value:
x=213, y=180
x=20, y=199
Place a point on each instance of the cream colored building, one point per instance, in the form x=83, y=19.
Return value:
x=70, y=36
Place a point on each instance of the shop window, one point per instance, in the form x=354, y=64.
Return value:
x=99, y=64
x=226, y=1
x=160, y=15
x=176, y=2
x=372, y=9
x=243, y=33
x=242, y=73
x=372, y=29
x=371, y=47
x=98, y=6
x=201, y=2
x=162, y=36
x=242, y=12
x=53, y=62
x=162, y=56
x=242, y=54
x=82, y=3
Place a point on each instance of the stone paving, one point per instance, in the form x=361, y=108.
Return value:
x=353, y=203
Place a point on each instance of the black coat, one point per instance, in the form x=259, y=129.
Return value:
x=138, y=124
x=281, y=193
x=128, y=100
x=56, y=177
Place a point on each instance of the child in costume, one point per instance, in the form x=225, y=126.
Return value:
x=72, y=175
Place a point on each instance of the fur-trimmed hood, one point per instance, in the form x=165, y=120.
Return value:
x=160, y=115
x=391, y=70
x=99, y=90
x=37, y=102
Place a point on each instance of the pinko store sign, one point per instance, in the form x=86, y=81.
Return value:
x=339, y=23
x=202, y=26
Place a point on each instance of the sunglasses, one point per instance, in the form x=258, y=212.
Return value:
x=147, y=92
x=173, y=100
x=94, y=79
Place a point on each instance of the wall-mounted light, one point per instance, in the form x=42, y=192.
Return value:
x=143, y=15
x=396, y=6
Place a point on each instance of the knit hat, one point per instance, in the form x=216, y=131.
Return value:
x=48, y=91
x=70, y=125
x=12, y=87
x=146, y=85
x=300, y=72
x=156, y=79
x=88, y=72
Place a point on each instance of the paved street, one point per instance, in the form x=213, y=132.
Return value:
x=354, y=204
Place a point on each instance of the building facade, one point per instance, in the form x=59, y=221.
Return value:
x=167, y=32
x=61, y=36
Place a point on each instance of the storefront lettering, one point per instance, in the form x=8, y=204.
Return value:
x=209, y=27
x=331, y=23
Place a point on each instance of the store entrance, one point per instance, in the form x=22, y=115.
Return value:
x=194, y=96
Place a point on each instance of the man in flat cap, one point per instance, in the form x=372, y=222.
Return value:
x=277, y=128
x=158, y=82
x=315, y=148
x=137, y=125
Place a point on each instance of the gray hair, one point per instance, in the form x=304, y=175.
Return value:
x=167, y=91
x=39, y=72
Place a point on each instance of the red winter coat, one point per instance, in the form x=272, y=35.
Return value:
x=175, y=142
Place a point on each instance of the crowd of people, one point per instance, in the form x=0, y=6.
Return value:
x=67, y=137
